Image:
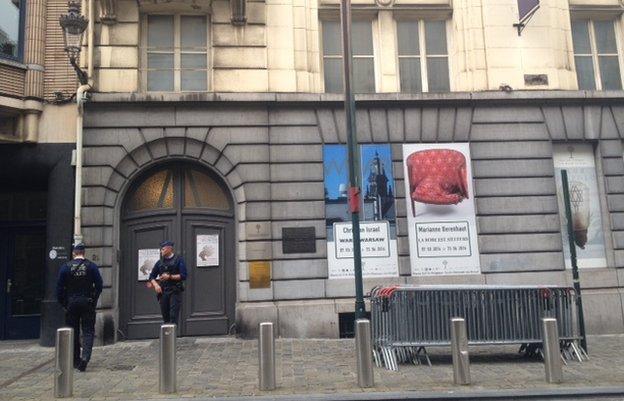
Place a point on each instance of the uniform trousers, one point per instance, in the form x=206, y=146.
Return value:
x=81, y=315
x=170, y=303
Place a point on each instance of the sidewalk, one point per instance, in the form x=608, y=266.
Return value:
x=227, y=367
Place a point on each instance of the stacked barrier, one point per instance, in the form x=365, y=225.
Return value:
x=407, y=319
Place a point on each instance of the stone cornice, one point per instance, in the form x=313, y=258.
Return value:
x=453, y=98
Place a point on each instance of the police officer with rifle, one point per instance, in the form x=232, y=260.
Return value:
x=78, y=288
x=167, y=279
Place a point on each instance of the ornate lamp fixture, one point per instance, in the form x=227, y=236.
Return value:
x=74, y=25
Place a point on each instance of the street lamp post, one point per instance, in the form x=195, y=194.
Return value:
x=354, y=198
x=573, y=260
x=74, y=25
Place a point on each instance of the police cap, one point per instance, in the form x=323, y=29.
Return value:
x=79, y=246
x=166, y=243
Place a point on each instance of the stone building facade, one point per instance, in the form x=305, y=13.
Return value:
x=245, y=110
x=267, y=149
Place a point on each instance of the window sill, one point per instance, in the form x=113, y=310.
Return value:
x=12, y=63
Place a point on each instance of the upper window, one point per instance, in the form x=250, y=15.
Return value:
x=596, y=55
x=363, y=57
x=423, y=56
x=175, y=53
x=11, y=23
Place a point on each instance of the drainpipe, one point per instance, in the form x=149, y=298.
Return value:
x=81, y=98
x=90, y=34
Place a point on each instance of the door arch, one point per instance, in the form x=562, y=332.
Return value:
x=189, y=205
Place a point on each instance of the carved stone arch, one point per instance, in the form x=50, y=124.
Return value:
x=146, y=156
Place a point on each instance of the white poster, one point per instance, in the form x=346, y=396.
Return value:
x=147, y=259
x=207, y=250
x=578, y=161
x=379, y=251
x=440, y=209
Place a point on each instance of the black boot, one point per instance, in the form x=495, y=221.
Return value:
x=82, y=366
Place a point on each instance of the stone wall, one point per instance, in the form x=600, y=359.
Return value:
x=269, y=149
x=280, y=50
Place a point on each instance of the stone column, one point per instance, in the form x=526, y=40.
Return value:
x=34, y=55
x=59, y=234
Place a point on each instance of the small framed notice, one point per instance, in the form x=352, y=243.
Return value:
x=146, y=261
x=207, y=250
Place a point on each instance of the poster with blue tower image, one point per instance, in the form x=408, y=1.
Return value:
x=378, y=215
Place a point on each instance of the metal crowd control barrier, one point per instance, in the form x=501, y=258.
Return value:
x=407, y=319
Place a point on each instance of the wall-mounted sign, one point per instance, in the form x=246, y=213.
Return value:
x=378, y=250
x=259, y=274
x=443, y=239
x=440, y=209
x=207, y=249
x=374, y=238
x=146, y=261
x=58, y=253
x=378, y=226
x=578, y=160
x=298, y=240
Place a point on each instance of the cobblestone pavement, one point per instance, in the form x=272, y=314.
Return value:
x=222, y=367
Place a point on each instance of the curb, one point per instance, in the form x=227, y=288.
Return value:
x=486, y=395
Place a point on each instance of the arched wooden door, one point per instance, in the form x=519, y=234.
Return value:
x=192, y=207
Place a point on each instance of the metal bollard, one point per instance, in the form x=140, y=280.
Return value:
x=167, y=378
x=550, y=347
x=266, y=356
x=64, y=368
x=363, y=350
x=459, y=349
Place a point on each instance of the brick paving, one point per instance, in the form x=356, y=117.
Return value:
x=227, y=367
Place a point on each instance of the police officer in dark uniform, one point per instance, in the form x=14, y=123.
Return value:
x=78, y=288
x=167, y=279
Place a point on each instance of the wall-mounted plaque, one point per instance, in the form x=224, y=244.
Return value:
x=298, y=240
x=535, y=79
x=259, y=274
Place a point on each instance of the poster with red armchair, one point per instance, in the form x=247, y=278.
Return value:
x=440, y=209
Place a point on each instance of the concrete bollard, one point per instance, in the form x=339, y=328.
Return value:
x=364, y=352
x=266, y=356
x=167, y=376
x=552, y=354
x=64, y=368
x=459, y=349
